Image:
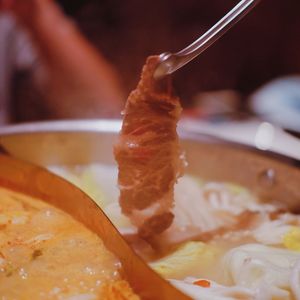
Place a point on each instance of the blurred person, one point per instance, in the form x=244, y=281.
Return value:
x=73, y=79
x=16, y=53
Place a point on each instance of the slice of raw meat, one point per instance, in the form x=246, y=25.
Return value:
x=148, y=153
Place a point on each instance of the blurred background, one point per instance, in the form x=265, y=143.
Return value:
x=264, y=46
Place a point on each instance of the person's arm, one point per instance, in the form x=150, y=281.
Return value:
x=77, y=81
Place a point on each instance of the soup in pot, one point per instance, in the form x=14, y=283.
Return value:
x=225, y=243
x=46, y=254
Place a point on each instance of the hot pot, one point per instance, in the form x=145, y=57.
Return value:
x=271, y=176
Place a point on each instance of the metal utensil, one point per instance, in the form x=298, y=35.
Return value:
x=170, y=62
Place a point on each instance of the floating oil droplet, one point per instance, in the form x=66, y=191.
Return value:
x=267, y=178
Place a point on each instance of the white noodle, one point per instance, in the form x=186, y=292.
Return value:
x=295, y=280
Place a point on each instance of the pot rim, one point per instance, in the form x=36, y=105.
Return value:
x=114, y=125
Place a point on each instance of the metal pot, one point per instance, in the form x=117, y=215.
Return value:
x=271, y=176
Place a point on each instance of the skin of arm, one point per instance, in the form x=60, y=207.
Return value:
x=75, y=79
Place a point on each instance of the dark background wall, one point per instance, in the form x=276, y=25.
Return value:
x=265, y=45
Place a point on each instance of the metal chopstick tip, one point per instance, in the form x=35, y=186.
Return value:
x=164, y=66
